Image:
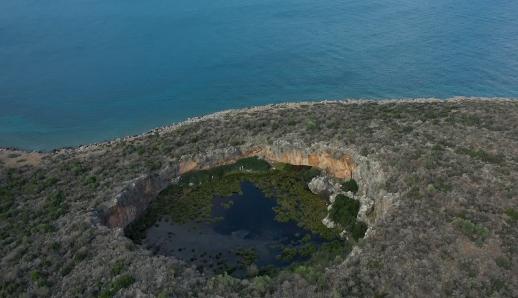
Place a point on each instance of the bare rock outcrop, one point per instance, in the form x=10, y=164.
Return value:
x=323, y=185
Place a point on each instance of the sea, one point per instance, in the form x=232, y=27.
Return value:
x=80, y=71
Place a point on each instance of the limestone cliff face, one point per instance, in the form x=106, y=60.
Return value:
x=337, y=162
x=341, y=166
x=130, y=203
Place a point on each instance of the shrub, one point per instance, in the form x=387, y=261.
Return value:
x=512, y=213
x=288, y=253
x=470, y=229
x=252, y=164
x=247, y=256
x=118, y=267
x=91, y=180
x=311, y=124
x=261, y=283
x=307, y=249
x=481, y=155
x=503, y=262
x=344, y=211
x=309, y=174
x=76, y=168
x=350, y=185
x=38, y=278
x=119, y=283
x=56, y=206
x=358, y=230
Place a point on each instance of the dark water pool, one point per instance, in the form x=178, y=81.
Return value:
x=243, y=238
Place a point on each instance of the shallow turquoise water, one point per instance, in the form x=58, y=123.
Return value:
x=80, y=71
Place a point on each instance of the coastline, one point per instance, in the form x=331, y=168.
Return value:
x=432, y=173
x=223, y=113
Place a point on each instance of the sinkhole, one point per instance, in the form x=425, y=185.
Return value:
x=245, y=219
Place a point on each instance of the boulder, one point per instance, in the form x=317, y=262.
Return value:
x=322, y=185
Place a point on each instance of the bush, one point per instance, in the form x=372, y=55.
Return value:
x=119, y=283
x=118, y=267
x=309, y=174
x=512, y=213
x=350, y=185
x=344, y=211
x=56, y=205
x=503, y=262
x=311, y=125
x=91, y=180
x=288, y=253
x=358, y=230
x=470, y=229
x=481, y=155
x=252, y=164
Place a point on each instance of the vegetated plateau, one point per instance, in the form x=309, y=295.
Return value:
x=431, y=209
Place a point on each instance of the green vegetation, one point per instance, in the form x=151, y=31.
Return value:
x=503, y=262
x=350, y=185
x=288, y=253
x=311, y=124
x=344, y=210
x=116, y=285
x=344, y=213
x=481, y=155
x=46, y=207
x=38, y=278
x=313, y=270
x=118, y=267
x=56, y=205
x=512, y=213
x=303, y=249
x=470, y=229
x=358, y=230
x=295, y=202
x=247, y=256
x=191, y=198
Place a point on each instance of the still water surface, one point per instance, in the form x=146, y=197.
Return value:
x=242, y=223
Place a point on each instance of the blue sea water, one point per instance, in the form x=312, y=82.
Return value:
x=81, y=71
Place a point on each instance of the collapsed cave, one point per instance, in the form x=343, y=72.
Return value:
x=246, y=218
x=156, y=211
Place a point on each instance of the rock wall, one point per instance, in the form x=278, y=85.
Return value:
x=134, y=199
x=130, y=203
x=339, y=165
x=336, y=164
